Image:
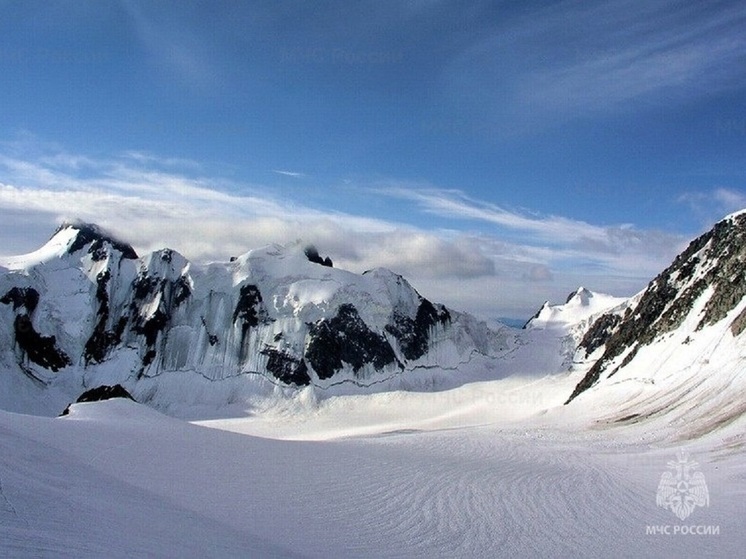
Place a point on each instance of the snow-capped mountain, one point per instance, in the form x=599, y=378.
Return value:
x=86, y=310
x=581, y=308
x=560, y=328
x=678, y=346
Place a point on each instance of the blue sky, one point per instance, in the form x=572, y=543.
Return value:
x=496, y=153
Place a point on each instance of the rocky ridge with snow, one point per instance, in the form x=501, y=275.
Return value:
x=675, y=352
x=703, y=286
x=87, y=309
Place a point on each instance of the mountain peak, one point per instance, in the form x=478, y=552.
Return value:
x=734, y=215
x=87, y=233
x=580, y=305
x=581, y=295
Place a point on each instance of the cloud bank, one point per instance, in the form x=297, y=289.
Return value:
x=500, y=262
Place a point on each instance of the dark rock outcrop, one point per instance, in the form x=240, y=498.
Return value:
x=287, y=368
x=100, y=394
x=102, y=339
x=39, y=349
x=170, y=294
x=96, y=237
x=346, y=338
x=249, y=312
x=599, y=332
x=413, y=335
x=22, y=297
x=313, y=255
x=249, y=309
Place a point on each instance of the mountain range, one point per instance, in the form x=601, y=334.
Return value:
x=85, y=310
x=332, y=414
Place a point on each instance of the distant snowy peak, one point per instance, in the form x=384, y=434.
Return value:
x=70, y=239
x=704, y=287
x=581, y=296
x=580, y=305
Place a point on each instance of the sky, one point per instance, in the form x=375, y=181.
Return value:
x=497, y=154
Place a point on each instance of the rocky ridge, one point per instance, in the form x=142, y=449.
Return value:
x=704, y=285
x=86, y=305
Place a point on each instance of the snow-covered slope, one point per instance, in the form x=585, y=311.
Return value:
x=116, y=479
x=84, y=310
x=677, y=350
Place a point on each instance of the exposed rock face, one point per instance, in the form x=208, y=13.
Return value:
x=346, y=339
x=413, y=335
x=95, y=239
x=287, y=368
x=250, y=310
x=103, y=338
x=708, y=278
x=35, y=347
x=599, y=332
x=39, y=349
x=100, y=394
x=312, y=253
x=25, y=298
x=159, y=289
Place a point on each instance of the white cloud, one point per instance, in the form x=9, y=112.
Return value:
x=145, y=200
x=454, y=203
x=171, y=46
x=620, y=249
x=203, y=219
x=712, y=205
x=152, y=159
x=425, y=254
x=539, y=272
x=606, y=80
x=293, y=174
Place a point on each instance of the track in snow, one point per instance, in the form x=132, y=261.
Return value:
x=118, y=479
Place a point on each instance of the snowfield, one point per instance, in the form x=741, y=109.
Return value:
x=462, y=473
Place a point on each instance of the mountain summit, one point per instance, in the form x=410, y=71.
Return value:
x=82, y=234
